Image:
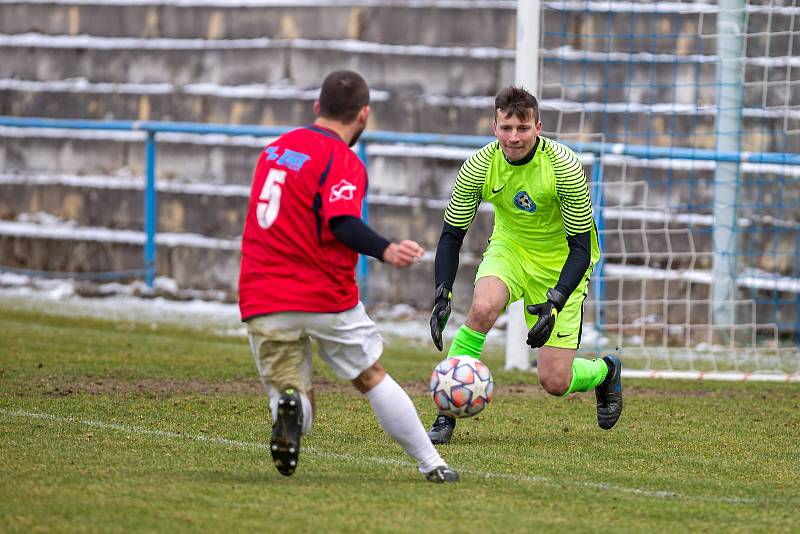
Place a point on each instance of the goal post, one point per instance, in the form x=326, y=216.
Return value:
x=526, y=74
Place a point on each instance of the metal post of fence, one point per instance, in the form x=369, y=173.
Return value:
x=150, y=209
x=599, y=202
x=362, y=270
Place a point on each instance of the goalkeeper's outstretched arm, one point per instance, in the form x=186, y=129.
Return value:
x=445, y=269
x=461, y=210
x=576, y=212
x=577, y=262
x=447, y=252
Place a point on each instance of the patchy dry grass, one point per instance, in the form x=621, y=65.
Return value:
x=111, y=426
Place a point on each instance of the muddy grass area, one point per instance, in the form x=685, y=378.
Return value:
x=170, y=387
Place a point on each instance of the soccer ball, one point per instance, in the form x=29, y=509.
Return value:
x=461, y=386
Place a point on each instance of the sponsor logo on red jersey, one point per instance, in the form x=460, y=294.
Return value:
x=344, y=190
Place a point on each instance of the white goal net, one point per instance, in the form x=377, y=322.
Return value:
x=687, y=117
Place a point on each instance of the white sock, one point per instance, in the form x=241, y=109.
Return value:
x=308, y=412
x=398, y=417
x=274, y=395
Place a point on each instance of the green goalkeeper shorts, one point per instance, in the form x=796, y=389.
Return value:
x=529, y=279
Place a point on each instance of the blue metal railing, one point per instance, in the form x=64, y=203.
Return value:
x=150, y=209
x=152, y=128
x=363, y=267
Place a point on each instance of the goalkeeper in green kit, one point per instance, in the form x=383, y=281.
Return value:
x=542, y=249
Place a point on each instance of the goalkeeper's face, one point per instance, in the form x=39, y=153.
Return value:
x=516, y=136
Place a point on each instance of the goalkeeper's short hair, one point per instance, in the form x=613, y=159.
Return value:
x=516, y=101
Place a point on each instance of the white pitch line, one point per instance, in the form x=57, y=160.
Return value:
x=200, y=438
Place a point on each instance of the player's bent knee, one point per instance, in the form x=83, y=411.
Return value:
x=482, y=315
x=280, y=364
x=554, y=384
x=369, y=377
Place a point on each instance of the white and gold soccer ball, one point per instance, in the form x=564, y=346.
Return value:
x=461, y=386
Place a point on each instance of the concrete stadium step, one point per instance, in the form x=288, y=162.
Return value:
x=639, y=233
x=668, y=124
x=193, y=261
x=464, y=23
x=456, y=71
x=636, y=192
x=648, y=299
x=202, y=263
x=447, y=22
x=394, y=169
x=447, y=70
x=209, y=210
x=118, y=203
x=229, y=104
x=652, y=238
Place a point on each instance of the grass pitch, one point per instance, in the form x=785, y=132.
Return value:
x=110, y=426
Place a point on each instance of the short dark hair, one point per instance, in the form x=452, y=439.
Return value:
x=517, y=101
x=342, y=96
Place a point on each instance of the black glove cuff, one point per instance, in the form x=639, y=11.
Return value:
x=557, y=298
x=443, y=293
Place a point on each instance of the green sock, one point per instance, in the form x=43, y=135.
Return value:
x=587, y=374
x=467, y=342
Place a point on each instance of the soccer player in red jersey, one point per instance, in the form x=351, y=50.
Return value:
x=301, y=241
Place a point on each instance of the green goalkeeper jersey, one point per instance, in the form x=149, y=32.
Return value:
x=538, y=202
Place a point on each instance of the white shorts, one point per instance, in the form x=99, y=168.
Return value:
x=348, y=341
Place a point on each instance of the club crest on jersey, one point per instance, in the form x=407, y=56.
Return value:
x=523, y=201
x=342, y=191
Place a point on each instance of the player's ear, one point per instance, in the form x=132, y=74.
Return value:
x=538, y=127
x=316, y=107
x=363, y=115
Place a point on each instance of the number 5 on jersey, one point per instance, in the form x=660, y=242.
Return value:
x=269, y=201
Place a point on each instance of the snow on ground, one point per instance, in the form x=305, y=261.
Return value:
x=124, y=302
x=165, y=304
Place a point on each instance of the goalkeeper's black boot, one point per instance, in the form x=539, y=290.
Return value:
x=285, y=441
x=442, y=429
x=609, y=394
x=441, y=475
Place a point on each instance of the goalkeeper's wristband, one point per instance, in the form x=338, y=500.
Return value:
x=557, y=298
x=443, y=293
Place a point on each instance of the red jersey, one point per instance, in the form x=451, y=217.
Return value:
x=291, y=260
